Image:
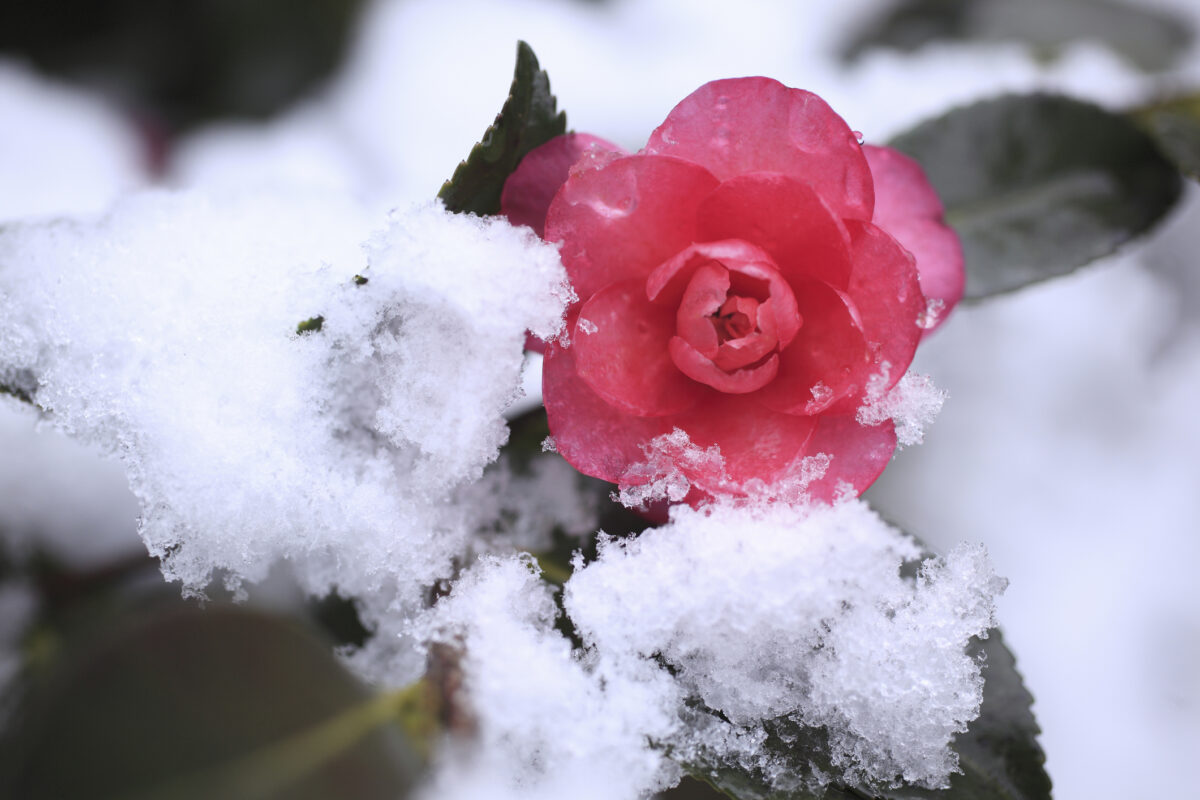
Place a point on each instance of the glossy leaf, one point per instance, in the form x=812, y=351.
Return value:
x=1038, y=185
x=528, y=118
x=1152, y=39
x=192, y=703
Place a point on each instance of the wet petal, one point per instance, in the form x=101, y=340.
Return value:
x=620, y=344
x=596, y=438
x=785, y=217
x=742, y=125
x=887, y=295
x=699, y=368
x=622, y=220
x=824, y=362
x=859, y=454
x=756, y=443
x=908, y=207
x=532, y=185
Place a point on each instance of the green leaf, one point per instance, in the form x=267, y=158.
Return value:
x=528, y=118
x=1152, y=39
x=1039, y=185
x=1175, y=125
x=193, y=703
x=310, y=325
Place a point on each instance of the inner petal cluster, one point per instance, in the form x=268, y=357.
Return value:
x=735, y=313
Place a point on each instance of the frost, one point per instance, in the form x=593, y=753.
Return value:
x=912, y=404
x=587, y=327
x=164, y=333
x=673, y=457
x=778, y=613
x=934, y=308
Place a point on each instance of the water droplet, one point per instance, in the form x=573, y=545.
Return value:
x=858, y=137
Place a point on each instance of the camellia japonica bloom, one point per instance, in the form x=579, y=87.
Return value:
x=751, y=278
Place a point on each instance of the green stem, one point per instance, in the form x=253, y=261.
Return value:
x=274, y=767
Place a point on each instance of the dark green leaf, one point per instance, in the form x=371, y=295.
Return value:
x=1175, y=125
x=195, y=703
x=1039, y=185
x=20, y=384
x=529, y=118
x=1152, y=39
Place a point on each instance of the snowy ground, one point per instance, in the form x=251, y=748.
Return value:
x=1065, y=445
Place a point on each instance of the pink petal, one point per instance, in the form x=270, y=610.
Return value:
x=703, y=297
x=887, y=295
x=741, y=381
x=756, y=443
x=742, y=125
x=823, y=363
x=597, y=439
x=740, y=353
x=908, y=207
x=532, y=185
x=859, y=454
x=785, y=217
x=624, y=358
x=622, y=220
x=669, y=280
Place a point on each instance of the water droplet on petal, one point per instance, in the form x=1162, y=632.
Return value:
x=858, y=137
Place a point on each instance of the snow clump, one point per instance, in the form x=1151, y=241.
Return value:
x=166, y=333
x=797, y=617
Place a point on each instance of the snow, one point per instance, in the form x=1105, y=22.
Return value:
x=247, y=443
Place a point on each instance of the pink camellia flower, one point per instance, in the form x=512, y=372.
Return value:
x=746, y=278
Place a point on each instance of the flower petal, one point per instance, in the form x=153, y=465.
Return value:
x=823, y=364
x=742, y=125
x=666, y=284
x=887, y=294
x=703, y=297
x=532, y=185
x=755, y=442
x=859, y=454
x=785, y=217
x=908, y=207
x=621, y=352
x=622, y=220
x=691, y=362
x=597, y=439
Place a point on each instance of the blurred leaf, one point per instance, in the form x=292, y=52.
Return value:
x=528, y=118
x=1039, y=185
x=193, y=703
x=186, y=61
x=1175, y=125
x=1152, y=39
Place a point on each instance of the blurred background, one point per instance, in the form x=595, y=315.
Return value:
x=1068, y=440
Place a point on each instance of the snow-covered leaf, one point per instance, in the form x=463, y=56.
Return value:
x=1038, y=185
x=999, y=755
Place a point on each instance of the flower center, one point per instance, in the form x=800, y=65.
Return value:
x=734, y=312
x=736, y=318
